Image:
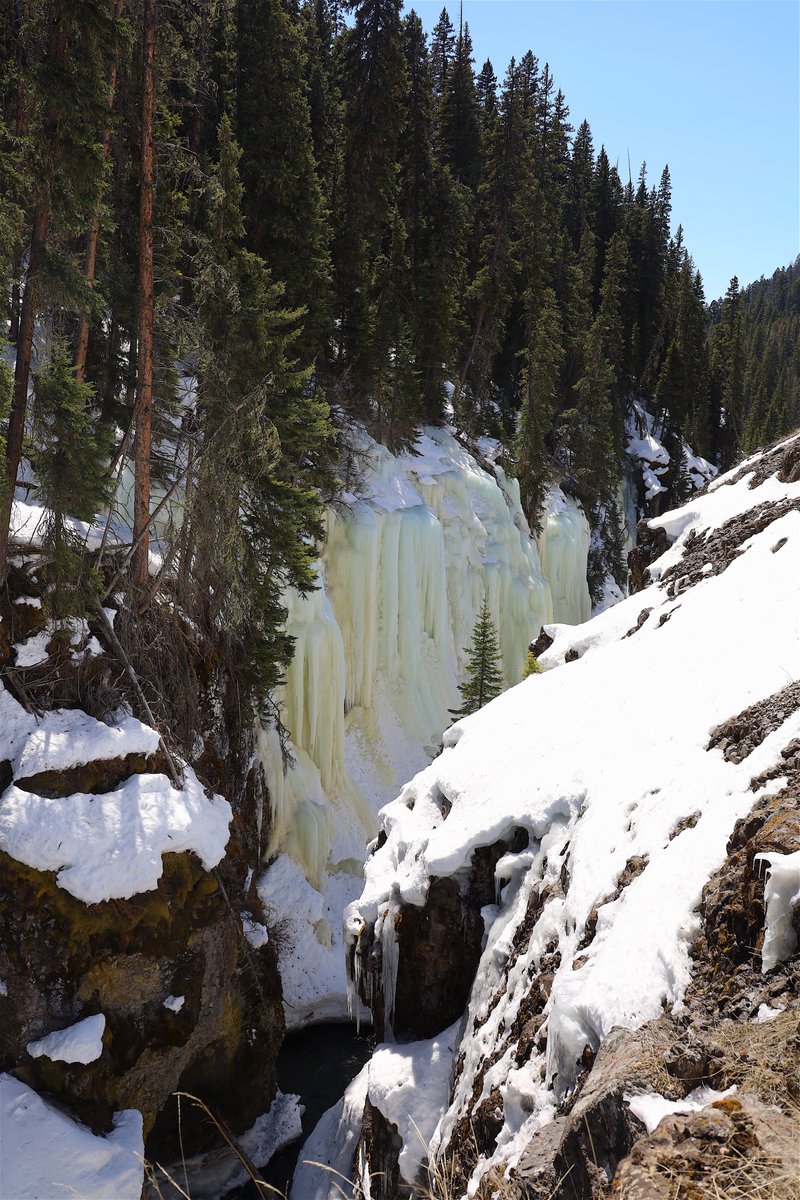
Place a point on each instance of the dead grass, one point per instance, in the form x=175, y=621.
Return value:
x=761, y=1059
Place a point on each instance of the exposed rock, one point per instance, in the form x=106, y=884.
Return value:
x=650, y=545
x=439, y=947
x=736, y=1148
x=575, y=1157
x=712, y=553
x=738, y=736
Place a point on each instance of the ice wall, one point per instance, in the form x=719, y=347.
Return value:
x=380, y=646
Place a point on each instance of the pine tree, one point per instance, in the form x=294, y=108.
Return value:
x=543, y=358
x=65, y=88
x=283, y=207
x=484, y=677
x=264, y=435
x=374, y=83
x=70, y=462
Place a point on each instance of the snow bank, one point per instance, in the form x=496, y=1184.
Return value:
x=410, y=1085
x=599, y=761
x=380, y=648
x=327, y=1160
x=782, y=895
x=79, y=1043
x=45, y=1154
x=106, y=846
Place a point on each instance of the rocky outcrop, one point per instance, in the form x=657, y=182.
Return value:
x=62, y=960
x=737, y=1147
x=438, y=948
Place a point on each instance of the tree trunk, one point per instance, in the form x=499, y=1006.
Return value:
x=92, y=237
x=21, y=129
x=19, y=405
x=144, y=374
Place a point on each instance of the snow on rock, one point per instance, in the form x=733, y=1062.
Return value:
x=45, y=1154
x=652, y=459
x=380, y=646
x=651, y=1108
x=68, y=737
x=106, y=846
x=109, y=846
x=410, y=1085
x=257, y=934
x=79, y=1043
x=174, y=1003
x=782, y=895
x=327, y=1160
x=599, y=760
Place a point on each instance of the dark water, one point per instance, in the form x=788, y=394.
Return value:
x=315, y=1064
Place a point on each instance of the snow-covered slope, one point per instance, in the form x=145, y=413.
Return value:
x=607, y=764
x=379, y=651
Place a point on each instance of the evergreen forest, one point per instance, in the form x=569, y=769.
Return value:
x=229, y=230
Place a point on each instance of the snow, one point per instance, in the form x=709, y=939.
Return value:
x=410, y=1085
x=327, y=1160
x=402, y=574
x=46, y=1155
x=109, y=846
x=257, y=934
x=174, y=1003
x=591, y=795
x=766, y=1014
x=311, y=950
x=651, y=1108
x=79, y=1043
x=652, y=459
x=67, y=738
x=33, y=650
x=782, y=895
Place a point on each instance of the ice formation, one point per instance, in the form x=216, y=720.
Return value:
x=380, y=647
x=782, y=895
x=594, y=796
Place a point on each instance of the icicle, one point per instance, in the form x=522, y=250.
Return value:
x=390, y=953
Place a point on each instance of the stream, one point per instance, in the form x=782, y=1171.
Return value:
x=315, y=1064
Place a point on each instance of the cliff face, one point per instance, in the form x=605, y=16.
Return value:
x=636, y=808
x=125, y=967
x=379, y=652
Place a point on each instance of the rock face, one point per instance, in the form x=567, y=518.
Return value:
x=600, y=993
x=62, y=960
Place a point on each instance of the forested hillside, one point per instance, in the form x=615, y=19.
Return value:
x=228, y=228
x=757, y=329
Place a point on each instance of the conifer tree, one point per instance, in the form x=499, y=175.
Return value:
x=459, y=135
x=70, y=463
x=543, y=357
x=484, y=677
x=254, y=510
x=65, y=91
x=283, y=206
x=374, y=83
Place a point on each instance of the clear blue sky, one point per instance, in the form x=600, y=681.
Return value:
x=711, y=87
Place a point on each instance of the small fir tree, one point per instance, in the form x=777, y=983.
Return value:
x=484, y=678
x=70, y=464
